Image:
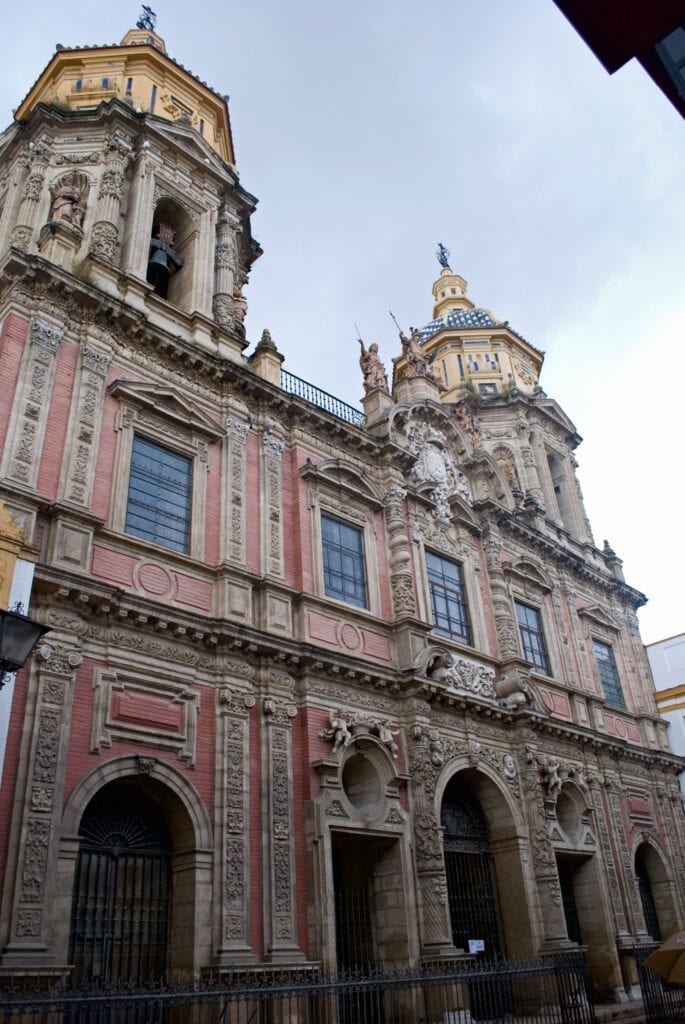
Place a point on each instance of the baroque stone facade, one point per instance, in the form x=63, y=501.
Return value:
x=330, y=659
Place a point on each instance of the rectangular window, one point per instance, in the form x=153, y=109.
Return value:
x=202, y=126
x=532, y=637
x=448, y=599
x=129, y=87
x=105, y=83
x=608, y=673
x=159, y=495
x=344, y=574
x=153, y=97
x=79, y=83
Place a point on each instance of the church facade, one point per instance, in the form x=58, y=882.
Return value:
x=321, y=686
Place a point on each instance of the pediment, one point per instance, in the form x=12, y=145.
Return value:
x=599, y=617
x=529, y=572
x=167, y=403
x=342, y=475
x=195, y=146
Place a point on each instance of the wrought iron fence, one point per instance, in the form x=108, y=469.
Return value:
x=315, y=396
x=549, y=991
x=664, y=1003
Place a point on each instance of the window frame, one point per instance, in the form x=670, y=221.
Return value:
x=328, y=547
x=542, y=669
x=140, y=475
x=616, y=681
x=468, y=638
x=167, y=419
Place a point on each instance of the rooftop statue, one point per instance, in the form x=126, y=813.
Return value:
x=375, y=377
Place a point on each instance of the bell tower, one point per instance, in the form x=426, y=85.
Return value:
x=123, y=172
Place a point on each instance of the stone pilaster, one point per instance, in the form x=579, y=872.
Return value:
x=105, y=234
x=272, y=504
x=31, y=405
x=22, y=233
x=233, y=528
x=78, y=472
x=233, y=823
x=30, y=879
x=141, y=206
x=547, y=888
x=505, y=624
x=425, y=762
x=280, y=910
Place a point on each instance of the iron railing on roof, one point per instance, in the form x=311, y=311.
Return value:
x=321, y=399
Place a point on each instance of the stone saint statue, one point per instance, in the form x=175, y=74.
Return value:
x=375, y=377
x=68, y=203
x=417, y=364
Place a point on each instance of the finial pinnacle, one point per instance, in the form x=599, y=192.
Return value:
x=148, y=19
x=443, y=255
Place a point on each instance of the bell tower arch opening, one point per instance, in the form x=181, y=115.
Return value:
x=171, y=255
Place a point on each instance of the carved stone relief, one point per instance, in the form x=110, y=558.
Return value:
x=273, y=448
x=401, y=578
x=237, y=460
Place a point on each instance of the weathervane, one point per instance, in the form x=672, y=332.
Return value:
x=443, y=255
x=148, y=19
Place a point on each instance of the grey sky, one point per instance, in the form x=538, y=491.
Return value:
x=370, y=131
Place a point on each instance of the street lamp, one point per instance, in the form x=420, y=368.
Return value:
x=18, y=636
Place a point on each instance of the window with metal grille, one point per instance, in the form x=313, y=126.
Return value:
x=448, y=598
x=608, y=673
x=159, y=494
x=532, y=637
x=344, y=573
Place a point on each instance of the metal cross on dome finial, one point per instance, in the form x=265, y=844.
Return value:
x=148, y=19
x=443, y=255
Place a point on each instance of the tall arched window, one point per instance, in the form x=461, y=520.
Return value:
x=120, y=906
x=647, y=897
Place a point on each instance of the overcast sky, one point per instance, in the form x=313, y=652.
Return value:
x=373, y=129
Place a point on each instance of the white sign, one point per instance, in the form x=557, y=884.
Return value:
x=476, y=945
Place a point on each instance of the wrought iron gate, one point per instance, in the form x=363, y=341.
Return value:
x=470, y=888
x=119, y=915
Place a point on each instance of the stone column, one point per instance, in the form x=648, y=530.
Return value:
x=29, y=416
x=233, y=821
x=26, y=924
x=141, y=207
x=105, y=234
x=22, y=233
x=280, y=893
x=225, y=265
x=505, y=624
x=401, y=577
x=531, y=478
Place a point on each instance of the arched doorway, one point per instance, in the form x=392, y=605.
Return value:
x=121, y=896
x=657, y=892
x=469, y=869
x=647, y=897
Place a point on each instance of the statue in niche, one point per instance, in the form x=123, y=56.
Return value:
x=375, y=377
x=386, y=736
x=163, y=261
x=69, y=200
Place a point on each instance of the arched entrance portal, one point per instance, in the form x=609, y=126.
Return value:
x=657, y=892
x=120, y=907
x=468, y=864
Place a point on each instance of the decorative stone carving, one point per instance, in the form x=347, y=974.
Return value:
x=103, y=241
x=237, y=462
x=69, y=198
x=347, y=726
x=435, y=465
x=462, y=674
x=416, y=362
x=401, y=579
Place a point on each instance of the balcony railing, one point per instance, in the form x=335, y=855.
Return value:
x=321, y=399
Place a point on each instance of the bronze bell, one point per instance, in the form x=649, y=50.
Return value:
x=158, y=272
